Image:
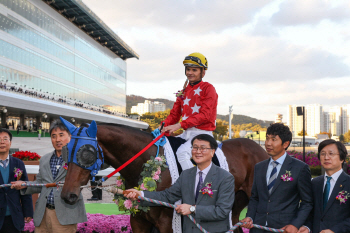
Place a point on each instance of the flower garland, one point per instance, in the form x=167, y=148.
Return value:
x=150, y=175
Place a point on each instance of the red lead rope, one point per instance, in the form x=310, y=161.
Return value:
x=135, y=156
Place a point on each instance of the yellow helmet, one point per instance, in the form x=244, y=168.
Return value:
x=196, y=60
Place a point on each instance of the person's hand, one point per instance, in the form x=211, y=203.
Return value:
x=247, y=223
x=327, y=231
x=27, y=219
x=303, y=229
x=132, y=194
x=172, y=128
x=18, y=185
x=290, y=229
x=183, y=209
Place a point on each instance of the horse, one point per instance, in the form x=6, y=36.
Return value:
x=119, y=143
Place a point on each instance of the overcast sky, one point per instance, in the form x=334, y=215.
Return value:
x=262, y=55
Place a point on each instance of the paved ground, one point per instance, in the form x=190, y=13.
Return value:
x=43, y=147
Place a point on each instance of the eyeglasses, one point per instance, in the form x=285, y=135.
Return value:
x=201, y=149
x=331, y=155
x=4, y=140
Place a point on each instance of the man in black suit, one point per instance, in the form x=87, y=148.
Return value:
x=281, y=193
x=15, y=209
x=330, y=214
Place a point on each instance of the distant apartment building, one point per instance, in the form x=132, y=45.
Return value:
x=336, y=120
x=295, y=122
x=314, y=119
x=148, y=106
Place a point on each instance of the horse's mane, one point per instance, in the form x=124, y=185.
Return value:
x=126, y=127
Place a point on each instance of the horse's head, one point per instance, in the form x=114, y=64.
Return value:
x=83, y=158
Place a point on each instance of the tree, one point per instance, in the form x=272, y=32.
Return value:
x=342, y=138
x=301, y=133
x=328, y=133
x=347, y=136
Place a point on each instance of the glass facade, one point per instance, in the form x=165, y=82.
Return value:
x=87, y=74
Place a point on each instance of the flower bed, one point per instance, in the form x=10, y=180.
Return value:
x=311, y=159
x=98, y=223
x=26, y=155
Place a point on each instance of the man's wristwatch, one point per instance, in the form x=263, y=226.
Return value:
x=193, y=209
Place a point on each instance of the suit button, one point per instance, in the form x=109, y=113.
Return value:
x=269, y=201
x=267, y=213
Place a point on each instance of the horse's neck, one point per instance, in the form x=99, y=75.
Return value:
x=122, y=145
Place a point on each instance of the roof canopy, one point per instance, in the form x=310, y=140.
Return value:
x=79, y=14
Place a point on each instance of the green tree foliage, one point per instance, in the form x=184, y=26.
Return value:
x=342, y=138
x=221, y=129
x=346, y=136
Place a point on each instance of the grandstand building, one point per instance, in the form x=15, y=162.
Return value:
x=57, y=58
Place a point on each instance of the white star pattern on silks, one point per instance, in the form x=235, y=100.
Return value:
x=184, y=117
x=186, y=101
x=197, y=91
x=195, y=108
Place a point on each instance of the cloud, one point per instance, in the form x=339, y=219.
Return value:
x=194, y=16
x=295, y=12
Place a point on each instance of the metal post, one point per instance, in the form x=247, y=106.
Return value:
x=230, y=119
x=304, y=133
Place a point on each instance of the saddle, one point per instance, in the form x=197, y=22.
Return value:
x=176, y=142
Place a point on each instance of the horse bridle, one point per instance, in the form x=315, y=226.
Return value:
x=86, y=156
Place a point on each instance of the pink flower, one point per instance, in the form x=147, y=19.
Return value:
x=155, y=177
x=116, y=201
x=158, y=159
x=143, y=187
x=119, y=183
x=137, y=207
x=128, y=204
x=158, y=171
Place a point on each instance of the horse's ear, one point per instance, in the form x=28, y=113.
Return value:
x=69, y=125
x=92, y=130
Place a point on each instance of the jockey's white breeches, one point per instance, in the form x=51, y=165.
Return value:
x=184, y=152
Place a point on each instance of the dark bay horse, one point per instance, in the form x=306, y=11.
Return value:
x=119, y=143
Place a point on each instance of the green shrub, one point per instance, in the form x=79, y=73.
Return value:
x=316, y=171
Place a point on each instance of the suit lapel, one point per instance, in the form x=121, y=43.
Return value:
x=192, y=183
x=210, y=177
x=60, y=172
x=12, y=169
x=285, y=166
x=47, y=167
x=319, y=192
x=340, y=182
x=265, y=167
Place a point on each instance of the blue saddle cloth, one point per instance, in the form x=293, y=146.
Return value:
x=176, y=142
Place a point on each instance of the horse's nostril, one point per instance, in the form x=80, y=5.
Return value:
x=73, y=196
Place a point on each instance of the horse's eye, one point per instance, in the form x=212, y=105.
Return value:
x=86, y=155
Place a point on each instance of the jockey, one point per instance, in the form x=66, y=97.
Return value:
x=196, y=104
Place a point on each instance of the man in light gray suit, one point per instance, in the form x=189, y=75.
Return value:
x=212, y=213
x=281, y=193
x=52, y=214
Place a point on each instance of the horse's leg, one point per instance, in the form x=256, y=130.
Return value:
x=140, y=225
x=164, y=222
x=241, y=201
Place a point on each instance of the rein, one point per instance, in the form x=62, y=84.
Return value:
x=132, y=159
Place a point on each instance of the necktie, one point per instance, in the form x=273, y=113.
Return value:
x=273, y=177
x=3, y=163
x=199, y=185
x=326, y=192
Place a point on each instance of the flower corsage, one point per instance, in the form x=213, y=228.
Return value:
x=207, y=190
x=343, y=196
x=18, y=173
x=180, y=94
x=287, y=176
x=65, y=166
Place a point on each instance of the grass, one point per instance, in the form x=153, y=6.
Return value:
x=109, y=209
x=27, y=134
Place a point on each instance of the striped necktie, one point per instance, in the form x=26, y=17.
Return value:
x=199, y=185
x=273, y=177
x=4, y=163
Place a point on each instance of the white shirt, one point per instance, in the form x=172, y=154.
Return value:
x=204, y=174
x=334, y=179
x=7, y=161
x=280, y=161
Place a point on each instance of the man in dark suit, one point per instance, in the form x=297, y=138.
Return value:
x=281, y=193
x=212, y=213
x=15, y=209
x=331, y=213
